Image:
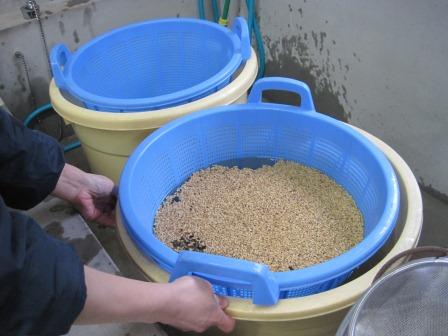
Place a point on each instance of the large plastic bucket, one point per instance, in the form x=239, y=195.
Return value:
x=108, y=138
x=318, y=314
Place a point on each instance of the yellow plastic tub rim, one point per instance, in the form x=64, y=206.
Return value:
x=332, y=301
x=231, y=93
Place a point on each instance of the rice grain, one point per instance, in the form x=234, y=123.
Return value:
x=286, y=216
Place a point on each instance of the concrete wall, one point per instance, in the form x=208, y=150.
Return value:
x=72, y=22
x=381, y=65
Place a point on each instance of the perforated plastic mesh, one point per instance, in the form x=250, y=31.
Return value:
x=285, y=294
x=185, y=59
x=154, y=188
x=414, y=302
x=297, y=142
x=148, y=64
x=220, y=290
x=273, y=134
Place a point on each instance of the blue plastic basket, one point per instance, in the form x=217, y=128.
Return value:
x=164, y=160
x=152, y=65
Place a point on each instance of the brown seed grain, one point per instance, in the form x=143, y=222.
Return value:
x=286, y=216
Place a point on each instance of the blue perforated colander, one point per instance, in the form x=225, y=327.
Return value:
x=169, y=156
x=152, y=65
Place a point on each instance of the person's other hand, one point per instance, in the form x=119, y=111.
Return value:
x=96, y=200
x=187, y=303
x=94, y=196
x=193, y=306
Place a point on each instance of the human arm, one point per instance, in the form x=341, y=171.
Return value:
x=188, y=303
x=32, y=166
x=42, y=288
x=42, y=284
x=30, y=163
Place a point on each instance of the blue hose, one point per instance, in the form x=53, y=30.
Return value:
x=253, y=25
x=216, y=11
x=201, y=9
x=73, y=145
x=40, y=110
x=36, y=112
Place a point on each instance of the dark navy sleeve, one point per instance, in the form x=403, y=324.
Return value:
x=30, y=163
x=42, y=288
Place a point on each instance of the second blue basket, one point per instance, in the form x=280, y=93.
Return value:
x=152, y=65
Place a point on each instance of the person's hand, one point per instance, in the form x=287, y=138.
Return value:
x=94, y=196
x=96, y=200
x=187, y=303
x=194, y=307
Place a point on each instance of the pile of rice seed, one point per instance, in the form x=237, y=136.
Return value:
x=286, y=216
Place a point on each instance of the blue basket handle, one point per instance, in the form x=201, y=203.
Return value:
x=59, y=57
x=264, y=286
x=239, y=27
x=282, y=84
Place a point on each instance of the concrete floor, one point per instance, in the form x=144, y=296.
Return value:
x=435, y=232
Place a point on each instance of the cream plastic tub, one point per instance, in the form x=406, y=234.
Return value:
x=109, y=138
x=318, y=314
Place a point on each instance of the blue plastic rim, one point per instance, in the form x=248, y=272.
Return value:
x=153, y=64
x=164, y=160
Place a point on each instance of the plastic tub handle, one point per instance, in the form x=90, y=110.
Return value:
x=239, y=27
x=264, y=286
x=282, y=84
x=59, y=57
